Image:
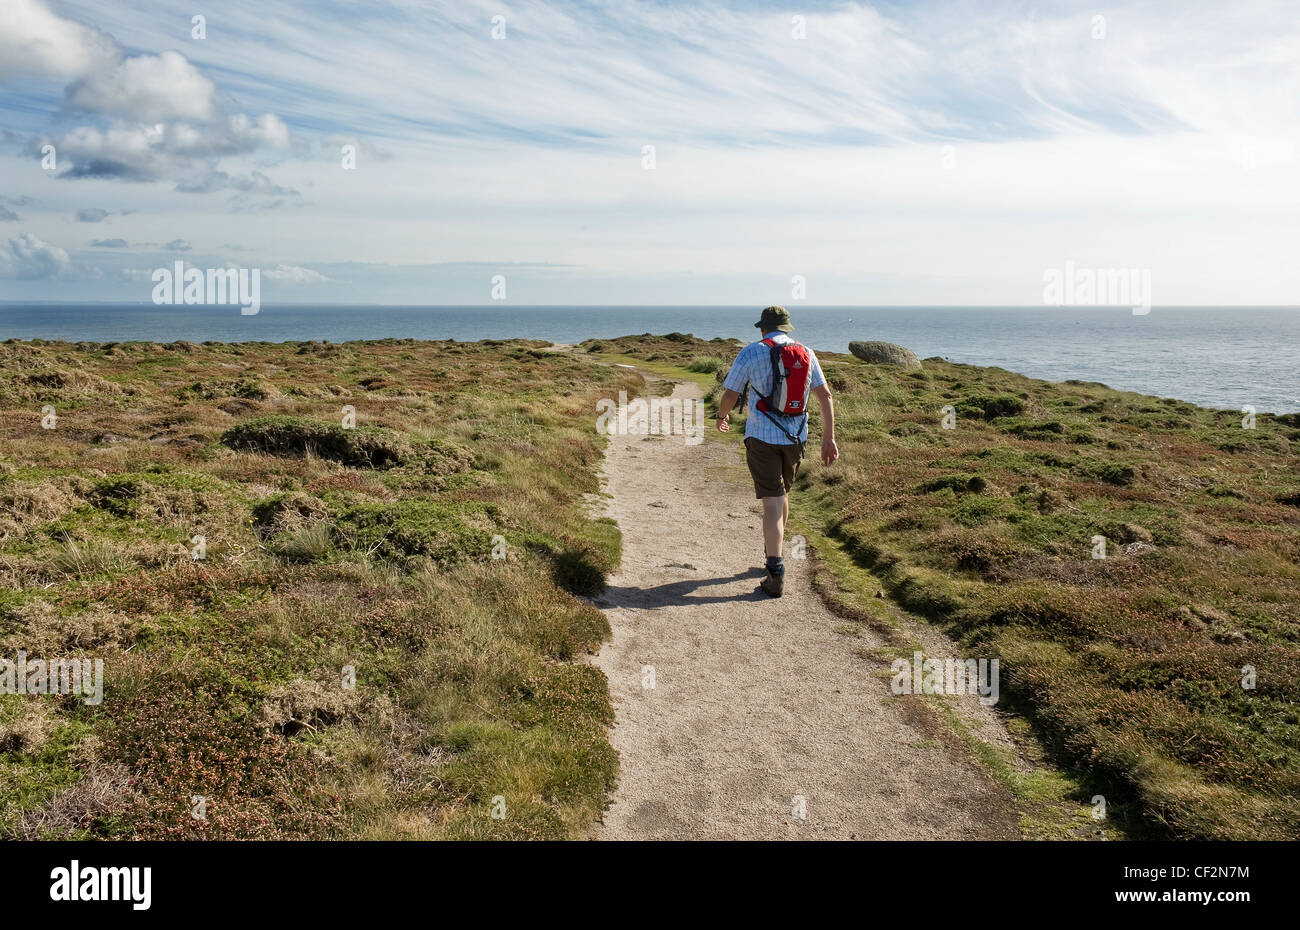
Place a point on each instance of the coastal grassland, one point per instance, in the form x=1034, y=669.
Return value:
x=676, y=356
x=326, y=548
x=1130, y=667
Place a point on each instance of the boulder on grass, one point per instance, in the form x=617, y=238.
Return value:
x=885, y=353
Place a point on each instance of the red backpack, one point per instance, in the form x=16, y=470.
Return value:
x=791, y=374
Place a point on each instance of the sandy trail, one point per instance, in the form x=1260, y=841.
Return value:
x=755, y=700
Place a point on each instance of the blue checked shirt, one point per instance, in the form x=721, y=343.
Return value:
x=754, y=366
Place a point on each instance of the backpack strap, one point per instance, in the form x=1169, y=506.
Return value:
x=793, y=439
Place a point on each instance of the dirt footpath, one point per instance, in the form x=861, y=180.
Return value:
x=756, y=702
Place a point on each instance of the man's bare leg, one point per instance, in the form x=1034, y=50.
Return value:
x=775, y=512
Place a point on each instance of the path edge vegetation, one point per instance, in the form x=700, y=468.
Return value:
x=1125, y=678
x=1048, y=795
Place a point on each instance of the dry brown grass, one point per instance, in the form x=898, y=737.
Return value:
x=27, y=729
x=42, y=630
x=103, y=792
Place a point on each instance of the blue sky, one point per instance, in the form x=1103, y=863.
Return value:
x=899, y=153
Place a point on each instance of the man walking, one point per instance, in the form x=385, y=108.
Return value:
x=782, y=373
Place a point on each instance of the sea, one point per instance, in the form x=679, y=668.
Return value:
x=1223, y=357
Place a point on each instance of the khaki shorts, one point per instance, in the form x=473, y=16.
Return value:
x=772, y=467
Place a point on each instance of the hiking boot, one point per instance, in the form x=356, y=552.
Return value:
x=773, y=583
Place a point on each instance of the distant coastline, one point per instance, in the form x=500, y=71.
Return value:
x=1224, y=357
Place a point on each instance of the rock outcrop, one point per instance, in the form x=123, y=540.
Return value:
x=885, y=353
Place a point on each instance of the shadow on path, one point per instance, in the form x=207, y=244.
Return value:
x=679, y=593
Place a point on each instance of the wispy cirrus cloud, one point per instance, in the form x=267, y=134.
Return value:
x=893, y=152
x=719, y=73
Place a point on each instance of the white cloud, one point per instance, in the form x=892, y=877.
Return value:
x=253, y=183
x=34, y=41
x=147, y=89
x=176, y=151
x=265, y=131
x=292, y=274
x=28, y=257
x=165, y=123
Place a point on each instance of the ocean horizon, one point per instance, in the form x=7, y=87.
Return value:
x=1221, y=357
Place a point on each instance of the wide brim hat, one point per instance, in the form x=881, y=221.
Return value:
x=775, y=318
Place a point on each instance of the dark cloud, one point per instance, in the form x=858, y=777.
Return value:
x=91, y=215
x=181, y=152
x=18, y=201
x=106, y=169
x=241, y=203
x=7, y=215
x=109, y=243
x=178, y=245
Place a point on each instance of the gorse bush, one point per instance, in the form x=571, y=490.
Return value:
x=361, y=447
x=991, y=406
x=442, y=532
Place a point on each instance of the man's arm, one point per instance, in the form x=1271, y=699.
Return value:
x=737, y=375
x=830, y=451
x=729, y=398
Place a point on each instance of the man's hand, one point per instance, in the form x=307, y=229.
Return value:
x=830, y=451
x=725, y=406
